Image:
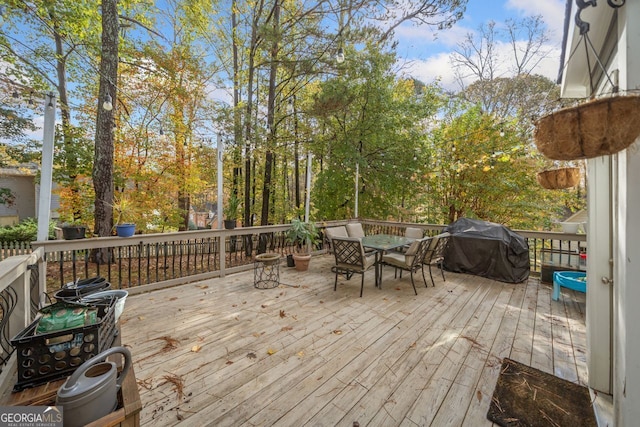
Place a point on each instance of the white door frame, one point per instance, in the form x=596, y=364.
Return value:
x=599, y=265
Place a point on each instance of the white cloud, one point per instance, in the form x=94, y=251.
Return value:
x=552, y=12
x=439, y=68
x=424, y=37
x=434, y=68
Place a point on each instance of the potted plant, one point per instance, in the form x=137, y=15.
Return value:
x=73, y=230
x=231, y=212
x=304, y=235
x=122, y=209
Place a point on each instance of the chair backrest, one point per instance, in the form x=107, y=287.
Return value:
x=333, y=232
x=417, y=251
x=355, y=230
x=435, y=253
x=349, y=252
x=413, y=233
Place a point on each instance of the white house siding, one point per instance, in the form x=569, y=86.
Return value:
x=614, y=182
x=626, y=320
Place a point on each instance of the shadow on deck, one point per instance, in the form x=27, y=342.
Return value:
x=220, y=352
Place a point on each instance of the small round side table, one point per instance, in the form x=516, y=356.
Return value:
x=266, y=271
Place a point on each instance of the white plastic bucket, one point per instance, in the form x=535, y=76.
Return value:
x=117, y=293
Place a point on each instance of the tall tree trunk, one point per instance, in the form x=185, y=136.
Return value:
x=184, y=198
x=296, y=149
x=237, y=117
x=248, y=220
x=271, y=103
x=71, y=162
x=103, y=163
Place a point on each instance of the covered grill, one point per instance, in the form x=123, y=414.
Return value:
x=487, y=249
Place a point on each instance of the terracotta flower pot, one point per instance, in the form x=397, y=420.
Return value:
x=302, y=261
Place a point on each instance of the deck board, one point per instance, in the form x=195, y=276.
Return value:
x=306, y=355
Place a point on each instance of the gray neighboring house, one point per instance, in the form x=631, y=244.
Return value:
x=21, y=180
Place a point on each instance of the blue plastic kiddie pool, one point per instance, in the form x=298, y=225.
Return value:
x=576, y=280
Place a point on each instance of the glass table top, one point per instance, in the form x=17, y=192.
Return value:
x=385, y=242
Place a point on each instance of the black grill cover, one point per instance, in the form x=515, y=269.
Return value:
x=487, y=249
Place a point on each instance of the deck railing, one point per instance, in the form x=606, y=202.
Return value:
x=150, y=261
x=538, y=241
x=19, y=299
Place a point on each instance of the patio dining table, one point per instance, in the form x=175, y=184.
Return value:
x=382, y=243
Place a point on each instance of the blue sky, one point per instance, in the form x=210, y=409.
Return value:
x=427, y=54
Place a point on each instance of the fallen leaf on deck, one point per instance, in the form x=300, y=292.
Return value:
x=337, y=332
x=286, y=328
x=413, y=345
x=229, y=362
x=140, y=317
x=251, y=355
x=170, y=343
x=204, y=286
x=479, y=395
x=263, y=306
x=283, y=314
x=301, y=354
x=271, y=351
x=196, y=348
x=173, y=298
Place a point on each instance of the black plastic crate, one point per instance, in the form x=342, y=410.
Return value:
x=54, y=355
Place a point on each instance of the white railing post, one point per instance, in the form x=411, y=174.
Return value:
x=21, y=315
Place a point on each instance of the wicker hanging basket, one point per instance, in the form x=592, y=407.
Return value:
x=595, y=128
x=556, y=179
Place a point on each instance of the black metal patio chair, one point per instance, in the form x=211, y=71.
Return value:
x=350, y=259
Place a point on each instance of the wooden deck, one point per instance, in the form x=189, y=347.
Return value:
x=223, y=353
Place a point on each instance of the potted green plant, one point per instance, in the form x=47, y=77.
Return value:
x=122, y=209
x=231, y=212
x=304, y=235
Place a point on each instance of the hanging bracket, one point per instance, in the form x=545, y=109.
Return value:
x=583, y=4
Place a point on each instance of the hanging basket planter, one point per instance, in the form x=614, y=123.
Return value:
x=595, y=128
x=556, y=179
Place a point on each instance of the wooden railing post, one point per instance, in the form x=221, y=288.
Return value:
x=222, y=242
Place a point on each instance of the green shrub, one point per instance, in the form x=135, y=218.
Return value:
x=25, y=231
